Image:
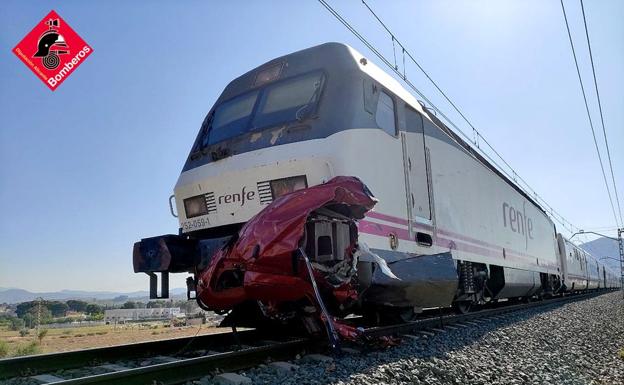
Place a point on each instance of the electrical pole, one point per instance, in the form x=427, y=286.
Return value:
x=38, y=314
x=621, y=244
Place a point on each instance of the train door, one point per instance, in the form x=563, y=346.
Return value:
x=417, y=181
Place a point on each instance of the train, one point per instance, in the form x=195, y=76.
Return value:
x=318, y=188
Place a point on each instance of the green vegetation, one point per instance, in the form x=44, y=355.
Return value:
x=622, y=353
x=4, y=349
x=77, y=306
x=94, y=309
x=42, y=334
x=28, y=349
x=24, y=332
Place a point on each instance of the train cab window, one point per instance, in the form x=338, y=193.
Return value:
x=289, y=100
x=231, y=118
x=385, y=114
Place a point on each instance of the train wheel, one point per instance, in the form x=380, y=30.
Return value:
x=462, y=307
x=391, y=315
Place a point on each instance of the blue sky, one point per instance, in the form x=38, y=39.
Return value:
x=86, y=170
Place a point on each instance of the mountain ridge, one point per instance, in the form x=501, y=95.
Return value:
x=16, y=295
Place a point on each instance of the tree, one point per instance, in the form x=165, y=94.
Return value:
x=16, y=323
x=23, y=308
x=93, y=309
x=78, y=306
x=58, y=309
x=29, y=320
x=155, y=304
x=129, y=305
x=36, y=314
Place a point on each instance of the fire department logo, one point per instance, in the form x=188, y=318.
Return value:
x=52, y=50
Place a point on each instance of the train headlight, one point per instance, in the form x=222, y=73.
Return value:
x=283, y=186
x=195, y=206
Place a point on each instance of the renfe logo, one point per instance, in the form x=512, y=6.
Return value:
x=518, y=221
x=52, y=50
x=241, y=197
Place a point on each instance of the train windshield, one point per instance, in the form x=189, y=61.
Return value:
x=278, y=103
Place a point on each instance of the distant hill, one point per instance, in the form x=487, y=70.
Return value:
x=605, y=247
x=14, y=295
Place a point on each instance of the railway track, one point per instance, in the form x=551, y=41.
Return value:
x=177, y=360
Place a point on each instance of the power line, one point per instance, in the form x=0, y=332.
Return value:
x=476, y=134
x=591, y=124
x=604, y=132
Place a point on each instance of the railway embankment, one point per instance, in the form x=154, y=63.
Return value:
x=569, y=343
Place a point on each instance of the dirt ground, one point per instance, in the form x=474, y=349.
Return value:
x=57, y=340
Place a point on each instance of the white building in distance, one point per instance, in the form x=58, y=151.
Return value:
x=125, y=315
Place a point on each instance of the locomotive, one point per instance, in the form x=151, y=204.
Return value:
x=318, y=187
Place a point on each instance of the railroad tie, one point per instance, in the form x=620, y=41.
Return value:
x=284, y=366
x=350, y=351
x=316, y=358
x=232, y=379
x=113, y=367
x=411, y=337
x=47, y=378
x=166, y=359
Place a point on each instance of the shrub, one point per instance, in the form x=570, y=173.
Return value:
x=28, y=349
x=24, y=332
x=42, y=334
x=101, y=333
x=4, y=349
x=79, y=335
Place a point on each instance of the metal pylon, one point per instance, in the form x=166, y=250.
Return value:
x=621, y=244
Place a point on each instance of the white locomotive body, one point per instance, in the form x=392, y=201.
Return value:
x=304, y=118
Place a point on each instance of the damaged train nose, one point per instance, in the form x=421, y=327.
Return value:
x=294, y=257
x=299, y=259
x=297, y=255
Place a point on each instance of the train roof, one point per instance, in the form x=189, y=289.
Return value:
x=588, y=254
x=339, y=56
x=394, y=86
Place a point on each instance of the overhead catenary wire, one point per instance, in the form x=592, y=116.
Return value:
x=511, y=174
x=604, y=132
x=591, y=124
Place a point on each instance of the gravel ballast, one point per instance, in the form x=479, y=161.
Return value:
x=572, y=343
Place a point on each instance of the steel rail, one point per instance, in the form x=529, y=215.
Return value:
x=192, y=368
x=41, y=363
x=444, y=320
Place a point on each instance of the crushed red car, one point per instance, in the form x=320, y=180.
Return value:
x=303, y=239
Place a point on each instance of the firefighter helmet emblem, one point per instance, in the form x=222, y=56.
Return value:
x=51, y=44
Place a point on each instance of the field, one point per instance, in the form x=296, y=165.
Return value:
x=57, y=340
